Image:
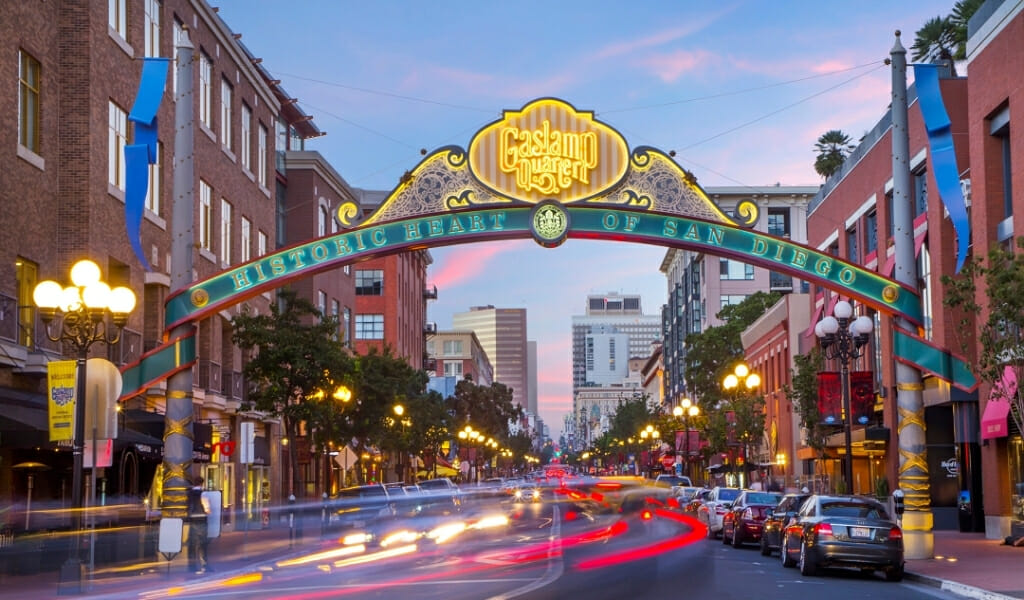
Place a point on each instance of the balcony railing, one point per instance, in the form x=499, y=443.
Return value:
x=430, y=364
x=430, y=328
x=430, y=293
x=208, y=376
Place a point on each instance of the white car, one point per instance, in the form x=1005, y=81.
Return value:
x=718, y=503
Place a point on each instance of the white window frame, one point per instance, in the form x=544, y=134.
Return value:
x=155, y=180
x=29, y=85
x=117, y=17
x=246, y=145
x=152, y=28
x=205, y=215
x=261, y=243
x=367, y=327
x=245, y=247
x=453, y=368
x=117, y=139
x=205, y=91
x=261, y=156
x=227, y=94
x=225, y=231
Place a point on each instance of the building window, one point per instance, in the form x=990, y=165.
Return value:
x=453, y=347
x=1000, y=129
x=225, y=231
x=920, y=192
x=369, y=282
x=732, y=299
x=851, y=245
x=28, y=101
x=321, y=302
x=244, y=252
x=733, y=269
x=117, y=140
x=321, y=226
x=155, y=180
x=246, y=148
x=261, y=157
x=152, y=25
x=261, y=244
x=924, y=270
x=346, y=326
x=778, y=222
x=27, y=273
x=870, y=233
x=205, y=216
x=117, y=17
x=369, y=327
x=453, y=368
x=226, y=94
x=205, y=90
x=889, y=215
x=611, y=354
x=336, y=314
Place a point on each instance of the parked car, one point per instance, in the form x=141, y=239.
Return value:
x=697, y=500
x=744, y=520
x=674, y=480
x=777, y=519
x=844, y=531
x=717, y=503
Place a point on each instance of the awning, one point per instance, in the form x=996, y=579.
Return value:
x=993, y=421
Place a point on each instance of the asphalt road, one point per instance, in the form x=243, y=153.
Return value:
x=548, y=552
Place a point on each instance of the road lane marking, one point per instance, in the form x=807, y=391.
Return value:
x=555, y=563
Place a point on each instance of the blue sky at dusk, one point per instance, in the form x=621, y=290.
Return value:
x=740, y=90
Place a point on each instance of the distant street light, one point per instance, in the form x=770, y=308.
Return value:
x=741, y=378
x=686, y=410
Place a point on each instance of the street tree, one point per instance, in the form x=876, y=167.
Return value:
x=988, y=298
x=293, y=361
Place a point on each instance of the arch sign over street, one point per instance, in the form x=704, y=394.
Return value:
x=548, y=172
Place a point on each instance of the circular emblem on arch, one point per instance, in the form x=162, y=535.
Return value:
x=200, y=298
x=890, y=293
x=549, y=223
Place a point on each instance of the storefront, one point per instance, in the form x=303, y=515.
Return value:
x=256, y=485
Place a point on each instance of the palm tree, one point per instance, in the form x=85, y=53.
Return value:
x=945, y=38
x=833, y=147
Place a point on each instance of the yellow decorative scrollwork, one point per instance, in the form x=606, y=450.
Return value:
x=908, y=418
x=346, y=212
x=747, y=213
x=179, y=427
x=913, y=460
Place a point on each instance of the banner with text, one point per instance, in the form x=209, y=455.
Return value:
x=60, y=386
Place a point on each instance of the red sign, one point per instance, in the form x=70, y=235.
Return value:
x=668, y=460
x=862, y=396
x=830, y=399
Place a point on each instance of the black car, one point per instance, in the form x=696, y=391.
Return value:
x=777, y=519
x=844, y=531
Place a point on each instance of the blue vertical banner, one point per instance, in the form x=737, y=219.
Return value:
x=143, y=152
x=940, y=141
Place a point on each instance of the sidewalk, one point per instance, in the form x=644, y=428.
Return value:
x=970, y=565
x=232, y=552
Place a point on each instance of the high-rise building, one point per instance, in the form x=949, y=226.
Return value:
x=502, y=333
x=531, y=377
x=613, y=330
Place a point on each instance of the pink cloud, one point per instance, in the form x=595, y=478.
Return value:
x=460, y=267
x=670, y=67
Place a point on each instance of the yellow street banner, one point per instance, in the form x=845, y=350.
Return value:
x=60, y=385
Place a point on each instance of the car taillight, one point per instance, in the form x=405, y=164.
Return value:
x=895, y=534
x=646, y=515
x=823, y=530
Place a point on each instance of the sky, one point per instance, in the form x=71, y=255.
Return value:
x=739, y=90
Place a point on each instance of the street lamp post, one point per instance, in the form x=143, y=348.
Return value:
x=81, y=311
x=844, y=340
x=685, y=410
x=731, y=383
x=652, y=434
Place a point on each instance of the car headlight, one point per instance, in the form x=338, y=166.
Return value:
x=518, y=494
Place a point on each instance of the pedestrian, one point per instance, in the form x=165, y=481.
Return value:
x=198, y=540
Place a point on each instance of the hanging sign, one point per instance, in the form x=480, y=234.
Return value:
x=60, y=387
x=830, y=400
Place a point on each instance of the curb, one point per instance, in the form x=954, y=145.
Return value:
x=960, y=589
